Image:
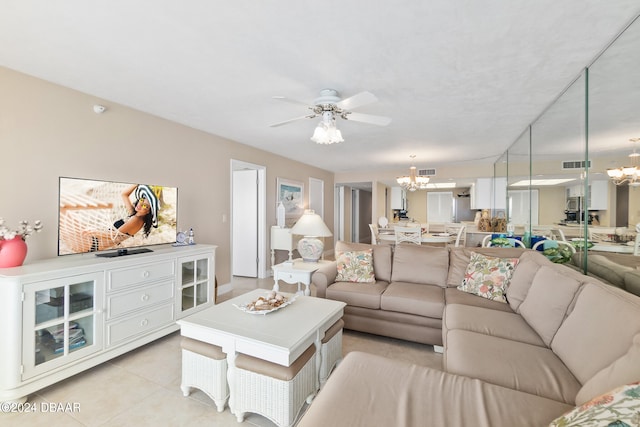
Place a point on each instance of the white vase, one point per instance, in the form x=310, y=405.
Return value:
x=280, y=215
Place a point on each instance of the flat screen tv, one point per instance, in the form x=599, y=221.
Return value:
x=114, y=218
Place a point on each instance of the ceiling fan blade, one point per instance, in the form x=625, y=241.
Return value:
x=292, y=101
x=308, y=116
x=357, y=100
x=368, y=118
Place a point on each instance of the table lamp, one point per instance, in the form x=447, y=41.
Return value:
x=311, y=226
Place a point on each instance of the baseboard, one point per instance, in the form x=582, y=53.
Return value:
x=227, y=287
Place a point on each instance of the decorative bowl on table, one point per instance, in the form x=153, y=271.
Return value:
x=272, y=301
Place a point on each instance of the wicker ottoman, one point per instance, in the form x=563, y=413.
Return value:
x=274, y=391
x=331, y=350
x=204, y=366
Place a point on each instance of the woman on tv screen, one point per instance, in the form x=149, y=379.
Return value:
x=143, y=213
x=96, y=216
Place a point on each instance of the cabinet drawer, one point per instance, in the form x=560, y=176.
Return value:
x=129, y=301
x=118, y=279
x=141, y=323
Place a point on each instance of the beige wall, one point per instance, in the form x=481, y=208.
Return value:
x=551, y=205
x=48, y=131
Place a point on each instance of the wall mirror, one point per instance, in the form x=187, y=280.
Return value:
x=559, y=163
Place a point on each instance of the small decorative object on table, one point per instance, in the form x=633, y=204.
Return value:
x=272, y=301
x=13, y=249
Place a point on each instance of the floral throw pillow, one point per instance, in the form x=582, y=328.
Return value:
x=355, y=266
x=619, y=407
x=488, y=277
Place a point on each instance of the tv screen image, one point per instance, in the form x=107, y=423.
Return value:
x=98, y=216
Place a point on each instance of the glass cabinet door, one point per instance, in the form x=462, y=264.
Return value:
x=60, y=321
x=195, y=283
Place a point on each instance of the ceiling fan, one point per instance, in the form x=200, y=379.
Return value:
x=330, y=106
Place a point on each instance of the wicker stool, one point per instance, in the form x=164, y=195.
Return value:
x=271, y=390
x=331, y=350
x=204, y=366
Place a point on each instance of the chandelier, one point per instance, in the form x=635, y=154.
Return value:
x=326, y=131
x=627, y=174
x=413, y=182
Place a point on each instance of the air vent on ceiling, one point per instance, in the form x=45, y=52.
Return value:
x=426, y=172
x=575, y=164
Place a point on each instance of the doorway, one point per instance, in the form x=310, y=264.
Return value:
x=248, y=219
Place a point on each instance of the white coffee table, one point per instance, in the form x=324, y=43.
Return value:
x=279, y=337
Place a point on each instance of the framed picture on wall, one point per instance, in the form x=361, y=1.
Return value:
x=291, y=194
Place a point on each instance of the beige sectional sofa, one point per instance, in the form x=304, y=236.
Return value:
x=618, y=270
x=561, y=339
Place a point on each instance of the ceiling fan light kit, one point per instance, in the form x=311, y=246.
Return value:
x=326, y=131
x=413, y=182
x=330, y=106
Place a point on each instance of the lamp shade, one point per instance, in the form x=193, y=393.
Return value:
x=311, y=224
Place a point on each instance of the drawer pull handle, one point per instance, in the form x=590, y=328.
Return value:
x=144, y=297
x=145, y=274
x=144, y=322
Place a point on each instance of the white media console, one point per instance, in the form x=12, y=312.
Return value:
x=61, y=316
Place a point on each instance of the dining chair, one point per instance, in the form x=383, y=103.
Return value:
x=558, y=234
x=374, y=234
x=383, y=222
x=487, y=242
x=601, y=234
x=408, y=234
x=559, y=242
x=541, y=230
x=459, y=231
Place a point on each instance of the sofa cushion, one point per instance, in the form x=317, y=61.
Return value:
x=619, y=407
x=381, y=257
x=622, y=371
x=420, y=264
x=496, y=323
x=524, y=367
x=548, y=301
x=413, y=298
x=488, y=277
x=530, y=263
x=459, y=260
x=355, y=266
x=371, y=390
x=601, y=325
x=455, y=296
x=357, y=294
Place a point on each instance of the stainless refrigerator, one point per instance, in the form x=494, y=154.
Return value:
x=462, y=209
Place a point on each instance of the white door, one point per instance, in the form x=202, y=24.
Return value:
x=245, y=223
x=316, y=196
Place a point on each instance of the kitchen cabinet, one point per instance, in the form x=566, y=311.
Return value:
x=398, y=198
x=489, y=193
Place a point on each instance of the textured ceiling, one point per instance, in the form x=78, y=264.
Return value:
x=460, y=79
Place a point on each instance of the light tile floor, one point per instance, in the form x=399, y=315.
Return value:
x=142, y=388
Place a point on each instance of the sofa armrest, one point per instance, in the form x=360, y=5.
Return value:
x=632, y=282
x=323, y=277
